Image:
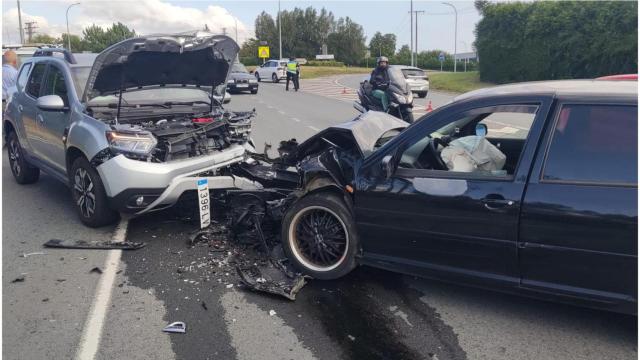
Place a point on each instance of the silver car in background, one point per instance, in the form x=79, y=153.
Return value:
x=417, y=79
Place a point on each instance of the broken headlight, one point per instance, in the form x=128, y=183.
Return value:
x=139, y=143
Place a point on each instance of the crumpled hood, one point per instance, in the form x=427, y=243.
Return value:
x=194, y=58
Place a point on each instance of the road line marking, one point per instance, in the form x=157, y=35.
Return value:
x=281, y=112
x=90, y=340
x=295, y=119
x=313, y=128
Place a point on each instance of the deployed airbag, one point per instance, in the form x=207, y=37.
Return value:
x=473, y=153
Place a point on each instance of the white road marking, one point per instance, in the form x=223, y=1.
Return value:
x=281, y=112
x=90, y=340
x=295, y=119
x=313, y=128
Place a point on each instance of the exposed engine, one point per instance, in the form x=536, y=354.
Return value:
x=182, y=136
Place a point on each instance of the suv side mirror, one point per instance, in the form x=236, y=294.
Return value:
x=50, y=103
x=387, y=166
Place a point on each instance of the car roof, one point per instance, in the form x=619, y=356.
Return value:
x=405, y=67
x=587, y=87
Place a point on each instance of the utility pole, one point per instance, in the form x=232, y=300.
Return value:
x=416, y=48
x=68, y=33
x=20, y=24
x=455, y=41
x=280, y=29
x=31, y=29
x=411, y=30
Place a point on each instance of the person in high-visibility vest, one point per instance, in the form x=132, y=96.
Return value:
x=293, y=73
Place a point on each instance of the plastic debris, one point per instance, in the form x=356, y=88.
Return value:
x=93, y=245
x=33, y=253
x=96, y=270
x=272, y=312
x=272, y=279
x=18, y=279
x=177, y=327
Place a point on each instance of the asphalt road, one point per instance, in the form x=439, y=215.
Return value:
x=370, y=314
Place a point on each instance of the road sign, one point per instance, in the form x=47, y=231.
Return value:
x=441, y=57
x=263, y=52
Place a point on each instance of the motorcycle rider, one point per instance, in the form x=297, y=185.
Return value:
x=380, y=81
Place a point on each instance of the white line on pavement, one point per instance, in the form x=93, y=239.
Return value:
x=281, y=112
x=93, y=326
x=295, y=119
x=313, y=128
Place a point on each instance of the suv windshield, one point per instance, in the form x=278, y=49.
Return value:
x=152, y=96
x=238, y=68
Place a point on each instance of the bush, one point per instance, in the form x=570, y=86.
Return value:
x=250, y=61
x=324, y=63
x=557, y=40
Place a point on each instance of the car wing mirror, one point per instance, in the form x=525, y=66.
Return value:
x=388, y=166
x=50, y=103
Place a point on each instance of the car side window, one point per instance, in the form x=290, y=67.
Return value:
x=481, y=142
x=55, y=84
x=35, y=80
x=594, y=144
x=23, y=76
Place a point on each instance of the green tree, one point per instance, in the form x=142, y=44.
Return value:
x=98, y=39
x=77, y=44
x=382, y=45
x=347, y=41
x=44, y=39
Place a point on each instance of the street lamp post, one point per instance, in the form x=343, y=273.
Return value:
x=68, y=33
x=455, y=41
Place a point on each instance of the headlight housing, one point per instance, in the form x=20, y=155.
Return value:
x=138, y=143
x=231, y=81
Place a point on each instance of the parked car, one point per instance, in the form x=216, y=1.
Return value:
x=527, y=188
x=240, y=79
x=416, y=78
x=272, y=69
x=129, y=133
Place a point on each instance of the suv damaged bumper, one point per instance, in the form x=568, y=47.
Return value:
x=137, y=187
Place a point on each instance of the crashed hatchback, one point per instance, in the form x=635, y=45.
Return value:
x=131, y=129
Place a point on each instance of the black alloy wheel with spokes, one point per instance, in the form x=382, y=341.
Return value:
x=22, y=171
x=319, y=237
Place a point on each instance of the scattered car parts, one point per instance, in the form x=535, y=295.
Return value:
x=177, y=327
x=93, y=245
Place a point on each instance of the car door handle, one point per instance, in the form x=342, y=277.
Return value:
x=496, y=203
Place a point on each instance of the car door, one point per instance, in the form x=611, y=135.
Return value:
x=579, y=225
x=54, y=123
x=265, y=70
x=428, y=221
x=28, y=109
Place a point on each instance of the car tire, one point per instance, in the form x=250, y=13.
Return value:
x=257, y=76
x=89, y=197
x=275, y=78
x=22, y=170
x=254, y=91
x=422, y=94
x=312, y=253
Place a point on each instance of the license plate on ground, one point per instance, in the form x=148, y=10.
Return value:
x=203, y=203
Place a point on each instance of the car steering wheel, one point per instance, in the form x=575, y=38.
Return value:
x=433, y=146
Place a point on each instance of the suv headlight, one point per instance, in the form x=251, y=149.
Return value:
x=139, y=143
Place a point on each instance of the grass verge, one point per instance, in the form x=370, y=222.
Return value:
x=460, y=82
x=312, y=72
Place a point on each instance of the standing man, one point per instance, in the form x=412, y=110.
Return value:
x=293, y=73
x=380, y=81
x=9, y=74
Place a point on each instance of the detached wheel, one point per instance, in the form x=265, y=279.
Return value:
x=318, y=235
x=257, y=76
x=89, y=196
x=22, y=171
x=274, y=78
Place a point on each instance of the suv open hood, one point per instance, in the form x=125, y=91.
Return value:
x=193, y=58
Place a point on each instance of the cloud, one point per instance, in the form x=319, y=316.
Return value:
x=144, y=16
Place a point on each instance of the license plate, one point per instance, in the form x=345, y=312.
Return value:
x=203, y=203
x=242, y=85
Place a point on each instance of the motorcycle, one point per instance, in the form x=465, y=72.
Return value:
x=398, y=92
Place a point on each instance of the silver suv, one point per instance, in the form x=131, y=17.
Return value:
x=131, y=129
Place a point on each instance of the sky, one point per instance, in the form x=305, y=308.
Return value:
x=435, y=26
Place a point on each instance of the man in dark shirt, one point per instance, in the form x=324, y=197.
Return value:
x=380, y=81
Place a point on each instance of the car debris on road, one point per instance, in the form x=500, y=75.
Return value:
x=177, y=327
x=92, y=245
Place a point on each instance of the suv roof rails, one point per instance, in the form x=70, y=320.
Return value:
x=68, y=56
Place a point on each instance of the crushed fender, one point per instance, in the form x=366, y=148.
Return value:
x=93, y=245
x=272, y=280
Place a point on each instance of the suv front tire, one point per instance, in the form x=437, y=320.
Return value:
x=89, y=197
